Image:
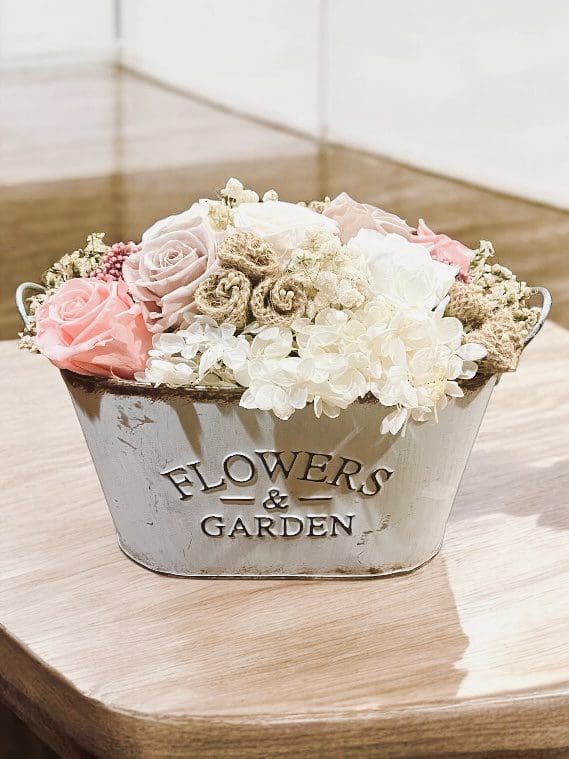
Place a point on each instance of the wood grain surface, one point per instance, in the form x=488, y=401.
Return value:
x=468, y=655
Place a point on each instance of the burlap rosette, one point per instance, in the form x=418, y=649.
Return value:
x=469, y=305
x=279, y=300
x=497, y=330
x=224, y=296
x=249, y=254
x=503, y=339
x=250, y=279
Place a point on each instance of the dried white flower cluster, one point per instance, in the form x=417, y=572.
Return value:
x=500, y=286
x=220, y=212
x=79, y=263
x=409, y=361
x=334, y=275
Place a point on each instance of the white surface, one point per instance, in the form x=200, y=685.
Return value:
x=478, y=91
x=63, y=28
x=258, y=57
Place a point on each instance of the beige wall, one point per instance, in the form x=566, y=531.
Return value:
x=56, y=28
x=478, y=91
x=258, y=56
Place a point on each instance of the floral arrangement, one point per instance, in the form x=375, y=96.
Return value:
x=320, y=303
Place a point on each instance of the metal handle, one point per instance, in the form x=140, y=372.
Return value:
x=21, y=291
x=544, y=312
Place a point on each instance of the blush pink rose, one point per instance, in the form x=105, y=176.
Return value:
x=445, y=249
x=352, y=216
x=93, y=327
x=174, y=257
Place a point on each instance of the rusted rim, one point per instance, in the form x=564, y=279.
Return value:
x=100, y=385
x=223, y=395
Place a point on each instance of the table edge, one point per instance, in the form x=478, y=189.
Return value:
x=503, y=722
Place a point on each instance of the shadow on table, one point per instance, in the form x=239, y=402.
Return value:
x=543, y=493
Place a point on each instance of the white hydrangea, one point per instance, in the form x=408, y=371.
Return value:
x=409, y=359
x=282, y=383
x=335, y=276
x=201, y=354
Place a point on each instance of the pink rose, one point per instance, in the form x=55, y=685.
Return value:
x=175, y=256
x=445, y=249
x=93, y=327
x=352, y=216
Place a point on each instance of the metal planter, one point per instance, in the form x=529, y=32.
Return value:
x=198, y=486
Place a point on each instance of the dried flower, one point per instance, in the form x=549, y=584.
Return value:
x=404, y=271
x=334, y=275
x=224, y=296
x=111, y=263
x=493, y=308
x=279, y=300
x=93, y=327
x=352, y=216
x=250, y=254
x=80, y=263
x=174, y=258
x=445, y=249
x=283, y=225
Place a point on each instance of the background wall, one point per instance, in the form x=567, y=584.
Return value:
x=478, y=91
x=475, y=91
x=256, y=56
x=58, y=28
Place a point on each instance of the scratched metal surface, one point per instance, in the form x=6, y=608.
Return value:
x=201, y=489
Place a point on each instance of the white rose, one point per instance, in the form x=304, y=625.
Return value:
x=404, y=271
x=283, y=225
x=195, y=211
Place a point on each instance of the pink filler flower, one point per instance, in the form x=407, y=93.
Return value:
x=93, y=327
x=445, y=249
x=112, y=261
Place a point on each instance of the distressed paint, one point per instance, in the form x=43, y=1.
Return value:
x=194, y=486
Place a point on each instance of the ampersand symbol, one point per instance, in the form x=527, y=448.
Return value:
x=275, y=500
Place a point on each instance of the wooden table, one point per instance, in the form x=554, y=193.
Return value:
x=470, y=654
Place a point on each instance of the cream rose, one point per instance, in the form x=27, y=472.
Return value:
x=283, y=225
x=402, y=271
x=176, y=255
x=352, y=216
